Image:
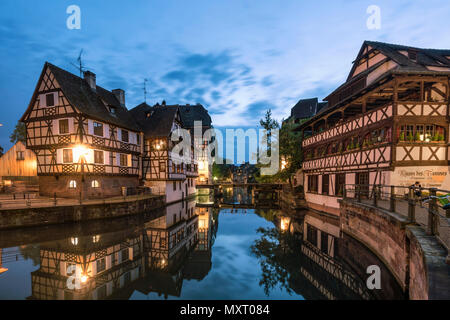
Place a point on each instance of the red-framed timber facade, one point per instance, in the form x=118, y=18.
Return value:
x=388, y=124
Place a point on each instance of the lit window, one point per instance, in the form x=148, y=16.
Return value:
x=95, y=184
x=74, y=241
x=72, y=184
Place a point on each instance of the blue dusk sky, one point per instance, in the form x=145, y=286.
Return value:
x=236, y=57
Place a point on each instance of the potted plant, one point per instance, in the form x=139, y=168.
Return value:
x=410, y=137
x=417, y=136
x=402, y=136
x=441, y=137
x=436, y=137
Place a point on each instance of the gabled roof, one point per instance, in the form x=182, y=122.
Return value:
x=426, y=62
x=156, y=121
x=424, y=57
x=88, y=102
x=307, y=108
x=191, y=113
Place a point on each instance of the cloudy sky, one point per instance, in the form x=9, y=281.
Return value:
x=236, y=57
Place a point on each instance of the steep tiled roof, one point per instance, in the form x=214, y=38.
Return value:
x=191, y=113
x=425, y=57
x=92, y=103
x=155, y=121
x=307, y=108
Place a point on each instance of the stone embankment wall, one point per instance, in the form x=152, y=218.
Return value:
x=18, y=218
x=416, y=260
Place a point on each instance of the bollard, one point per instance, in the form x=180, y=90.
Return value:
x=411, y=206
x=392, y=206
x=375, y=200
x=432, y=213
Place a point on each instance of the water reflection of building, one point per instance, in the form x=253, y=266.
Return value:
x=319, y=261
x=199, y=262
x=87, y=266
x=330, y=266
x=148, y=257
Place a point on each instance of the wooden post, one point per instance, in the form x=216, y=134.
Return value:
x=432, y=213
x=411, y=206
x=375, y=200
x=392, y=207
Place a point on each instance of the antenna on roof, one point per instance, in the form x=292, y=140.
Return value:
x=79, y=65
x=145, y=90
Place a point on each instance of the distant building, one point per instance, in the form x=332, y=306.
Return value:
x=18, y=170
x=245, y=173
x=305, y=109
x=85, y=140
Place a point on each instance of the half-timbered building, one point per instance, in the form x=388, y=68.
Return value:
x=190, y=115
x=18, y=170
x=85, y=140
x=163, y=170
x=387, y=124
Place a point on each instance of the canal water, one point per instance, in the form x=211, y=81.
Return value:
x=192, y=250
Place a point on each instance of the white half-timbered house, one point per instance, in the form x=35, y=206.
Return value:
x=85, y=140
x=387, y=124
x=162, y=170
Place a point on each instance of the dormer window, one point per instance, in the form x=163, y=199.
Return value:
x=112, y=110
x=412, y=54
x=50, y=100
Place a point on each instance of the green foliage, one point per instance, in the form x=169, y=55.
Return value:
x=410, y=137
x=436, y=137
x=417, y=136
x=402, y=136
x=221, y=171
x=441, y=137
x=19, y=133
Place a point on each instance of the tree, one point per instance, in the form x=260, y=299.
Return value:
x=1, y=151
x=269, y=125
x=19, y=133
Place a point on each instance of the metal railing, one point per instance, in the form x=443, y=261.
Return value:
x=427, y=207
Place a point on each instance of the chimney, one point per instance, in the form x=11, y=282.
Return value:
x=90, y=79
x=120, y=95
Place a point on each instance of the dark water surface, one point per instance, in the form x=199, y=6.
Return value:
x=190, y=252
